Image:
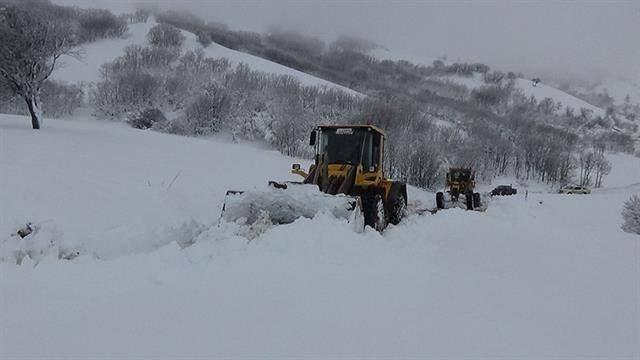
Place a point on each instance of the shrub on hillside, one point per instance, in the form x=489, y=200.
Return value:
x=60, y=98
x=99, y=24
x=165, y=35
x=631, y=215
x=145, y=119
x=206, y=113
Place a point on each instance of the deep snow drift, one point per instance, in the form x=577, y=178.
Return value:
x=549, y=277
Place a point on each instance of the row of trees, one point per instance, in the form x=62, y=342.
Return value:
x=208, y=95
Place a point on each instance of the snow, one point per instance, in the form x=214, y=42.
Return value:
x=215, y=50
x=618, y=89
x=472, y=82
x=95, y=54
x=284, y=206
x=383, y=53
x=551, y=276
x=539, y=92
x=542, y=91
x=123, y=191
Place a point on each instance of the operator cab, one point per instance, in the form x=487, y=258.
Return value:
x=349, y=145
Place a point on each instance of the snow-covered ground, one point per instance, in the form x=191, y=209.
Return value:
x=547, y=277
x=121, y=190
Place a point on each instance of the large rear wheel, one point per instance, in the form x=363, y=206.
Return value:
x=374, y=215
x=469, y=200
x=476, y=200
x=397, y=207
x=440, y=200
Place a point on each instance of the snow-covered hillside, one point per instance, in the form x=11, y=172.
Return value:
x=549, y=276
x=542, y=91
x=215, y=50
x=539, y=92
x=87, y=68
x=620, y=88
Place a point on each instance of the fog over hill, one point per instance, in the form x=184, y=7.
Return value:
x=580, y=40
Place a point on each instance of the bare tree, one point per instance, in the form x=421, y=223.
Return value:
x=587, y=161
x=602, y=166
x=631, y=215
x=32, y=43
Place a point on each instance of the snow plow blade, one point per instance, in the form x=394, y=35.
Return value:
x=283, y=203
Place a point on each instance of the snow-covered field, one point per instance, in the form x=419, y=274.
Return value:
x=550, y=276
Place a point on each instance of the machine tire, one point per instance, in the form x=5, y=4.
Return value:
x=397, y=208
x=476, y=200
x=469, y=200
x=440, y=200
x=374, y=214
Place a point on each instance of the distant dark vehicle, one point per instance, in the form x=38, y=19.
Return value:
x=504, y=190
x=574, y=189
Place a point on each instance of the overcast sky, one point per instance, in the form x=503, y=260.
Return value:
x=569, y=38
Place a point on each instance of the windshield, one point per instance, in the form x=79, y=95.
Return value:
x=342, y=145
x=459, y=175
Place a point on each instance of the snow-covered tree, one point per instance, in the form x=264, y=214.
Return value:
x=165, y=35
x=631, y=215
x=32, y=42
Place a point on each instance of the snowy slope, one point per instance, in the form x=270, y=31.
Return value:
x=618, y=89
x=215, y=50
x=539, y=92
x=122, y=190
x=542, y=91
x=548, y=277
x=382, y=53
x=87, y=68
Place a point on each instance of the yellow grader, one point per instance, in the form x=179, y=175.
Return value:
x=460, y=181
x=346, y=179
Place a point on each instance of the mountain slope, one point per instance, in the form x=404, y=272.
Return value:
x=94, y=55
x=539, y=92
x=87, y=68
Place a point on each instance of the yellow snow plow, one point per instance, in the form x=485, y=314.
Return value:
x=346, y=179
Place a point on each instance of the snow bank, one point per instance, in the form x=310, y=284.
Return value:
x=284, y=206
x=112, y=190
